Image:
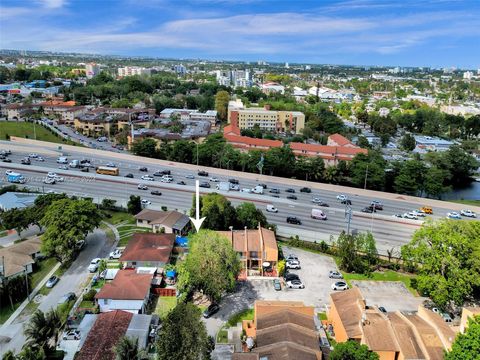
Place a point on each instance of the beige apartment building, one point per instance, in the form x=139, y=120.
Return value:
x=266, y=119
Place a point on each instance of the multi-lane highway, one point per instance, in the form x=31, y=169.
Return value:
x=390, y=232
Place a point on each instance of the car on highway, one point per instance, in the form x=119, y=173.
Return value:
x=271, y=208
x=71, y=335
x=202, y=173
x=290, y=190
x=33, y=155
x=156, y=192
x=293, y=264
x=39, y=158
x=246, y=190
x=166, y=179
x=294, y=220
x=376, y=204
x=66, y=298
x=212, y=309
x=25, y=161
x=418, y=213
x=340, y=285
x=8, y=172
x=292, y=197
x=85, y=169
x=468, y=213
x=142, y=187
x=6, y=160
x=400, y=216
x=204, y=184
x=189, y=176
x=161, y=172
x=143, y=169
x=52, y=281
x=453, y=215
x=146, y=202
x=346, y=201
x=63, y=167
x=51, y=174
x=277, y=285
x=409, y=216
x=49, y=180
x=334, y=274
x=214, y=179
x=427, y=210
x=295, y=284
x=181, y=183
x=110, y=164
x=263, y=185
x=129, y=175
x=233, y=181
x=274, y=191
x=116, y=254
x=148, y=177
x=341, y=197
x=94, y=264
x=306, y=190
x=368, y=209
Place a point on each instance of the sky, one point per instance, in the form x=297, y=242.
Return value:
x=433, y=33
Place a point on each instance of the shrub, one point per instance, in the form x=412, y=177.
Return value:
x=89, y=295
x=281, y=267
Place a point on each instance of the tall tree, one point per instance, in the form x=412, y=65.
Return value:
x=211, y=265
x=221, y=104
x=183, y=335
x=41, y=329
x=134, y=205
x=67, y=221
x=408, y=142
x=145, y=147
x=410, y=178
x=218, y=211
x=467, y=345
x=249, y=216
x=352, y=350
x=371, y=167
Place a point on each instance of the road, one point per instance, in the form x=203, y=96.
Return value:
x=71, y=281
x=389, y=232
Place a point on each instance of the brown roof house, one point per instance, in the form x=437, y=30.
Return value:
x=128, y=291
x=148, y=250
x=173, y=222
x=282, y=330
x=19, y=258
x=420, y=335
x=257, y=249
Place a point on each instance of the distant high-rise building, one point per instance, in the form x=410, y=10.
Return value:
x=92, y=70
x=308, y=67
x=287, y=66
x=468, y=75
x=133, y=70
x=180, y=69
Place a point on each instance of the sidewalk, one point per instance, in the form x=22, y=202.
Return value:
x=115, y=231
x=26, y=301
x=14, y=236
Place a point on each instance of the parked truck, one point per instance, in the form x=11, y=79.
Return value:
x=223, y=186
x=16, y=178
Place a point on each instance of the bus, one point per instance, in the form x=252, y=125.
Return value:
x=106, y=170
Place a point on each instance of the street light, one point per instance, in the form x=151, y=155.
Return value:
x=197, y=152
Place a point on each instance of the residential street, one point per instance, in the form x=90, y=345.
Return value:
x=72, y=280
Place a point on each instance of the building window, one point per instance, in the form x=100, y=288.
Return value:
x=254, y=254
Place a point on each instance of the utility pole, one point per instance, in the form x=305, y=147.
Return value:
x=26, y=283
x=366, y=175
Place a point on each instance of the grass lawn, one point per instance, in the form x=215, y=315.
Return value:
x=108, y=232
x=126, y=233
x=222, y=336
x=118, y=216
x=322, y=316
x=25, y=130
x=99, y=284
x=43, y=269
x=164, y=305
x=247, y=314
x=467, y=202
x=86, y=304
x=383, y=276
x=6, y=311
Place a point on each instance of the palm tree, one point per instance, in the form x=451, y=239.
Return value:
x=31, y=353
x=127, y=349
x=42, y=328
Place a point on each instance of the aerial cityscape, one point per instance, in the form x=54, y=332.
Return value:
x=239, y=180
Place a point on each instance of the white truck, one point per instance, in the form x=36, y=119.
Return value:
x=223, y=186
x=74, y=164
x=257, y=189
x=62, y=160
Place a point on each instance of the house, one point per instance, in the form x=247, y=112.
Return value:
x=128, y=291
x=172, y=222
x=281, y=330
x=148, y=250
x=395, y=335
x=19, y=258
x=16, y=200
x=17, y=112
x=257, y=249
x=339, y=140
x=100, y=333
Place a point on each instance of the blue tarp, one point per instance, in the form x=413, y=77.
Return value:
x=171, y=273
x=181, y=241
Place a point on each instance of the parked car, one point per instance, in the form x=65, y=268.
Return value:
x=293, y=264
x=305, y=190
x=290, y=276
x=116, y=254
x=468, y=213
x=129, y=175
x=339, y=285
x=446, y=317
x=271, y=208
x=202, y=173
x=52, y=281
x=334, y=274
x=146, y=202
x=294, y=220
x=295, y=284
x=94, y=264
x=66, y=298
x=204, y=184
x=291, y=257
x=292, y=197
x=156, y=192
x=290, y=190
x=454, y=215
x=148, y=177
x=212, y=309
x=142, y=187
x=71, y=335
x=143, y=169
x=277, y=285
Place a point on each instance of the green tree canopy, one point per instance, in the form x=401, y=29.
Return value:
x=221, y=104
x=248, y=215
x=134, y=205
x=146, y=147
x=218, y=211
x=128, y=349
x=352, y=350
x=408, y=142
x=467, y=345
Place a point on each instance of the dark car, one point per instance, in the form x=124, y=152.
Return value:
x=377, y=205
x=274, y=191
x=290, y=276
x=85, y=169
x=67, y=297
x=25, y=161
x=368, y=210
x=204, y=185
x=212, y=309
x=156, y=192
x=306, y=190
x=276, y=285
x=129, y=176
x=290, y=190
x=292, y=197
x=263, y=185
x=382, y=309
x=294, y=220
x=202, y=173
x=161, y=173
x=143, y=169
x=275, y=196
x=347, y=201
x=233, y=181
x=7, y=160
x=181, y=183
x=166, y=172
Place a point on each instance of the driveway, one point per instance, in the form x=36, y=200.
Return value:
x=71, y=280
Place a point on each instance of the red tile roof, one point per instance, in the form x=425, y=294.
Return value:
x=127, y=285
x=149, y=247
x=253, y=141
x=339, y=140
x=106, y=332
x=325, y=149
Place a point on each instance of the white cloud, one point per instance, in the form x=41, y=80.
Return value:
x=53, y=4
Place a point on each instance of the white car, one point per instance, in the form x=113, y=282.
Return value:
x=51, y=191
x=340, y=285
x=246, y=190
x=293, y=264
x=146, y=202
x=271, y=208
x=189, y=176
x=63, y=167
x=33, y=155
x=8, y=172
x=468, y=213
x=94, y=264
x=341, y=197
x=410, y=216
x=49, y=180
x=39, y=158
x=51, y=174
x=167, y=178
x=418, y=213
x=110, y=164
x=71, y=335
x=453, y=215
x=295, y=284
x=148, y=177
x=115, y=254
x=142, y=187
x=214, y=179
x=58, y=178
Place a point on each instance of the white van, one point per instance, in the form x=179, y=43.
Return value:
x=318, y=214
x=74, y=163
x=271, y=208
x=257, y=189
x=167, y=178
x=62, y=160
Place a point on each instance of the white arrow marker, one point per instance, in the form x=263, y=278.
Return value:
x=197, y=222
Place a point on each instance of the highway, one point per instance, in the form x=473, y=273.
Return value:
x=389, y=232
